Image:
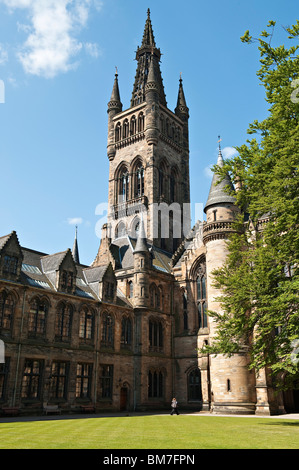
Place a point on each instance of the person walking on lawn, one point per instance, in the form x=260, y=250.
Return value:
x=174, y=406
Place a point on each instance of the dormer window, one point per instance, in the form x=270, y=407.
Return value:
x=109, y=290
x=10, y=264
x=67, y=281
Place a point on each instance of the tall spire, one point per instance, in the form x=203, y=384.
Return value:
x=75, y=251
x=146, y=53
x=148, y=35
x=218, y=192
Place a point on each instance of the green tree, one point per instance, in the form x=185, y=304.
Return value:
x=259, y=282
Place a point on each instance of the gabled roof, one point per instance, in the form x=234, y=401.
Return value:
x=4, y=240
x=52, y=262
x=95, y=274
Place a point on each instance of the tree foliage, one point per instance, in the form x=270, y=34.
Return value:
x=259, y=282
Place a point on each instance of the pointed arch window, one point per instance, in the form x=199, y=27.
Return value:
x=121, y=230
x=7, y=307
x=141, y=122
x=126, y=129
x=133, y=125
x=156, y=294
x=139, y=181
x=107, y=338
x=194, y=385
x=117, y=132
x=173, y=186
x=126, y=332
x=86, y=327
x=185, y=311
x=155, y=335
x=130, y=289
x=201, y=292
x=37, y=317
x=63, y=322
x=123, y=186
x=155, y=384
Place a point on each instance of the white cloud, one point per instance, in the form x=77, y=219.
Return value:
x=92, y=49
x=229, y=152
x=3, y=55
x=208, y=171
x=75, y=221
x=52, y=44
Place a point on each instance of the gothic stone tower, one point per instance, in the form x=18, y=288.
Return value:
x=148, y=151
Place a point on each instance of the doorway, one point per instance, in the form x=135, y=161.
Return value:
x=123, y=398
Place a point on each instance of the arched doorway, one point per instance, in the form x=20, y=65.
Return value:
x=124, y=395
x=291, y=401
x=194, y=386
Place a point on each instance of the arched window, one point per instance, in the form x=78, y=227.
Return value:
x=173, y=185
x=126, y=332
x=37, y=317
x=155, y=335
x=63, y=322
x=163, y=179
x=156, y=296
x=86, y=328
x=107, y=337
x=162, y=124
x=155, y=384
x=135, y=227
x=123, y=185
x=201, y=296
x=120, y=230
x=153, y=295
x=126, y=129
x=130, y=289
x=194, y=385
x=185, y=311
x=141, y=122
x=118, y=132
x=7, y=307
x=139, y=181
x=133, y=125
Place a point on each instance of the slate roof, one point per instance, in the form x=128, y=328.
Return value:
x=123, y=249
x=218, y=192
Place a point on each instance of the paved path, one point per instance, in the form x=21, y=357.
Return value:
x=136, y=413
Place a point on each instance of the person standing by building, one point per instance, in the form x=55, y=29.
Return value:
x=174, y=406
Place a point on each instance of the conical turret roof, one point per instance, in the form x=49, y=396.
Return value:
x=115, y=95
x=141, y=244
x=218, y=192
x=181, y=106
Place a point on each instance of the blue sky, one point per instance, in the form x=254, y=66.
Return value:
x=57, y=64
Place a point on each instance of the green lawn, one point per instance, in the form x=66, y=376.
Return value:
x=151, y=432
